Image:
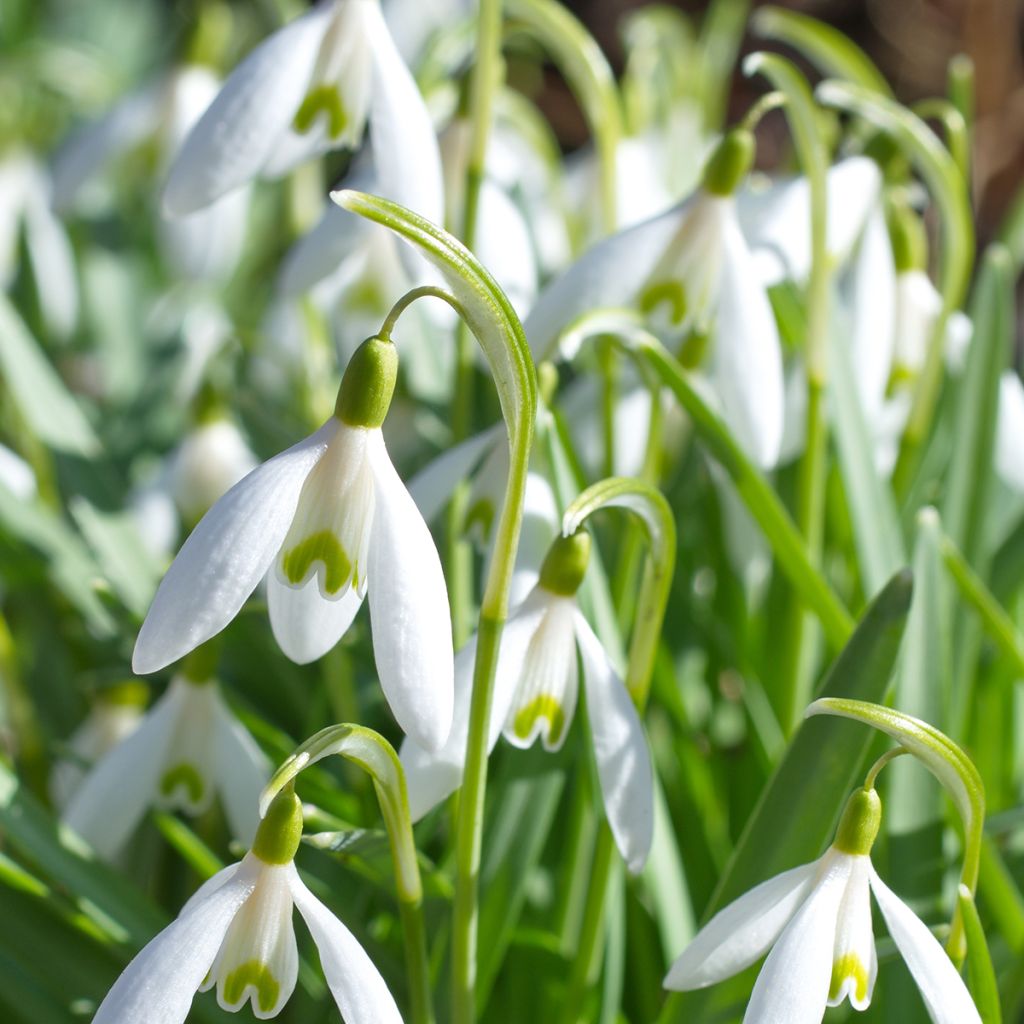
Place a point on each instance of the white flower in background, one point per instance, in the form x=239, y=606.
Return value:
x=188, y=748
x=535, y=691
x=115, y=714
x=816, y=920
x=415, y=23
x=327, y=521
x=690, y=271
x=313, y=86
x=26, y=194
x=17, y=475
x=236, y=934
x=203, y=246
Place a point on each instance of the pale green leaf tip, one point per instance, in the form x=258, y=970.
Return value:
x=928, y=518
x=753, y=62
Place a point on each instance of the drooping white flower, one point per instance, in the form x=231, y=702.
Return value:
x=535, y=694
x=188, y=748
x=690, y=271
x=327, y=521
x=816, y=920
x=311, y=87
x=236, y=934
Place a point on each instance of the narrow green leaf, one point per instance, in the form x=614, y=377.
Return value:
x=980, y=975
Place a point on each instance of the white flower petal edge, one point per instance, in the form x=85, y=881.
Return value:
x=237, y=134
x=1009, y=454
x=241, y=770
x=305, y=624
x=942, y=988
x=747, y=354
x=793, y=985
x=409, y=612
x=320, y=252
x=226, y=555
x=358, y=989
x=158, y=986
x=742, y=932
x=623, y=760
x=115, y=794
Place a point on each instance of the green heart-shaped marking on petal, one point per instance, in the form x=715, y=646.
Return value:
x=322, y=546
x=258, y=976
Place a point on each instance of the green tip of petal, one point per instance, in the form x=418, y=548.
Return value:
x=324, y=99
x=849, y=966
x=280, y=831
x=255, y=975
x=368, y=385
x=323, y=547
x=730, y=163
x=859, y=824
x=546, y=707
x=671, y=294
x=565, y=564
x=183, y=776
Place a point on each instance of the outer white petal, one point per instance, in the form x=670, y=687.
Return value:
x=226, y=555
x=307, y=625
x=317, y=255
x=115, y=794
x=404, y=143
x=1009, y=455
x=358, y=989
x=874, y=313
x=541, y=524
x=793, y=984
x=242, y=770
x=431, y=777
x=747, y=360
x=942, y=988
x=409, y=613
x=742, y=932
x=212, y=884
x=505, y=248
x=620, y=748
x=239, y=132
x=431, y=488
x=609, y=274
x=158, y=985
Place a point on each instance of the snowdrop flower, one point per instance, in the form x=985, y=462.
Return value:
x=17, y=475
x=535, y=693
x=690, y=271
x=816, y=920
x=115, y=714
x=327, y=521
x=188, y=747
x=311, y=87
x=236, y=935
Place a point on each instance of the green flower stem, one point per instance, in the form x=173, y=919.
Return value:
x=585, y=68
x=955, y=126
x=371, y=752
x=799, y=643
x=949, y=764
x=949, y=190
x=960, y=77
x=981, y=976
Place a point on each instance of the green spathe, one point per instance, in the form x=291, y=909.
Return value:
x=278, y=835
x=730, y=163
x=565, y=564
x=368, y=385
x=859, y=824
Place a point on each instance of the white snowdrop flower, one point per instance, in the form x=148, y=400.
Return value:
x=311, y=87
x=535, y=693
x=816, y=921
x=1009, y=454
x=188, y=748
x=690, y=271
x=17, y=475
x=327, y=521
x=115, y=714
x=236, y=934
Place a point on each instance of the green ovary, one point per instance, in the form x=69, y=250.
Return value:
x=670, y=292
x=323, y=547
x=849, y=966
x=323, y=99
x=258, y=976
x=544, y=706
x=186, y=777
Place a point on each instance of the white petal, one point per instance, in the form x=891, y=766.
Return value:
x=747, y=360
x=242, y=770
x=404, y=143
x=239, y=132
x=504, y=246
x=793, y=984
x=158, y=985
x=306, y=624
x=212, y=884
x=114, y=795
x=319, y=253
x=541, y=524
x=609, y=274
x=358, y=989
x=1009, y=455
x=620, y=748
x=917, y=307
x=409, y=613
x=854, y=961
x=226, y=556
x=942, y=988
x=742, y=932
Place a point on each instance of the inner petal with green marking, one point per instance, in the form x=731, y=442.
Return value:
x=187, y=782
x=330, y=535
x=850, y=973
